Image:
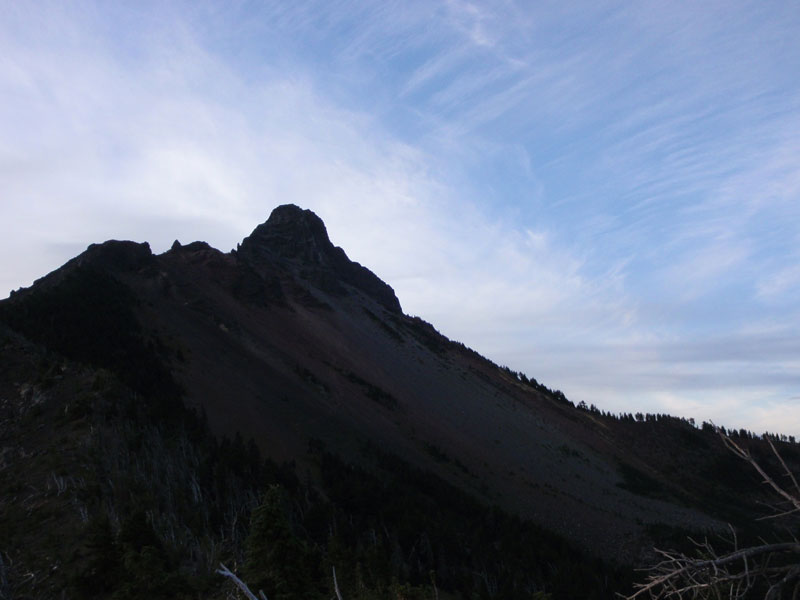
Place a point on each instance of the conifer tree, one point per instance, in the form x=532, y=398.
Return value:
x=276, y=560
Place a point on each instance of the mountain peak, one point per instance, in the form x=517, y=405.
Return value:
x=290, y=233
x=297, y=237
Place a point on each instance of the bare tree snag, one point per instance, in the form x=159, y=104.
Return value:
x=226, y=572
x=772, y=569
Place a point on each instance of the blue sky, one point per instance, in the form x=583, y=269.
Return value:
x=605, y=196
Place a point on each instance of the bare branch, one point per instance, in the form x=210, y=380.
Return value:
x=769, y=567
x=336, y=585
x=226, y=572
x=744, y=454
x=786, y=469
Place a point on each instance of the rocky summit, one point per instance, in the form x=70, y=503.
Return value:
x=298, y=238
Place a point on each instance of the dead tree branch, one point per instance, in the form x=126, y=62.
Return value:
x=336, y=585
x=792, y=499
x=226, y=572
x=770, y=568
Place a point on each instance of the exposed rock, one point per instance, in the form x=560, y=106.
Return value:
x=253, y=288
x=196, y=247
x=298, y=238
x=117, y=255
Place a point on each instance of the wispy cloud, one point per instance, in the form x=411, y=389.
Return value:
x=606, y=197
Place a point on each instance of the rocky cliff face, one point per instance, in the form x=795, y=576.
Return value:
x=297, y=239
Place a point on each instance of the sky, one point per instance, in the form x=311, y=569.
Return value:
x=602, y=195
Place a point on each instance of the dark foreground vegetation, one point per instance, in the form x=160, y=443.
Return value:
x=109, y=494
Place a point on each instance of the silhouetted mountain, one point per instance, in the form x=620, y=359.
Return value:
x=298, y=241
x=141, y=392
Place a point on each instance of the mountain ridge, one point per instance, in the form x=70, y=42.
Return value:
x=287, y=342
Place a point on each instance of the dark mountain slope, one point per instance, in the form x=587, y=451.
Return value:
x=288, y=342
x=106, y=495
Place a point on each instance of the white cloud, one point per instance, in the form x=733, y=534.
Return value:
x=780, y=283
x=471, y=19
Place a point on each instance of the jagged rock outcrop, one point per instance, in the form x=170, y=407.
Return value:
x=297, y=239
x=117, y=255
